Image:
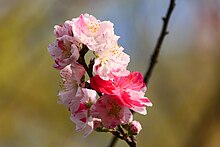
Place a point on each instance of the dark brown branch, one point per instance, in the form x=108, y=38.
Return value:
x=89, y=68
x=82, y=61
x=158, y=45
x=118, y=134
x=113, y=142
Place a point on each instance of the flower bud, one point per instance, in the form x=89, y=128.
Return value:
x=135, y=127
x=97, y=123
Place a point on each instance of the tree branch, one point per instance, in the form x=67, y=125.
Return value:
x=82, y=61
x=118, y=134
x=158, y=45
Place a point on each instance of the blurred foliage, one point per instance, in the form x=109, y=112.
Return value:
x=184, y=87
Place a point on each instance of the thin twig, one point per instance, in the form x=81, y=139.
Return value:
x=113, y=142
x=158, y=45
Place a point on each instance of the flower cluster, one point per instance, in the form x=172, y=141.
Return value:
x=111, y=93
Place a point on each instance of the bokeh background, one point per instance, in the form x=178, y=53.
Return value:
x=184, y=87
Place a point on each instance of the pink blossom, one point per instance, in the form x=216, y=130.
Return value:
x=93, y=32
x=83, y=96
x=135, y=127
x=70, y=83
x=83, y=121
x=78, y=71
x=65, y=49
x=129, y=89
x=69, y=86
x=80, y=108
x=110, y=110
x=111, y=61
x=64, y=29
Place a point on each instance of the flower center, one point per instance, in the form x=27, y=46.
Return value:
x=114, y=110
x=65, y=47
x=93, y=27
x=104, y=60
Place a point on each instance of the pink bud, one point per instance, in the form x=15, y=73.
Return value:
x=97, y=123
x=135, y=127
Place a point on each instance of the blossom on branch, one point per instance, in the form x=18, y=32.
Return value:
x=80, y=110
x=111, y=61
x=129, y=89
x=65, y=49
x=69, y=86
x=120, y=91
x=92, y=32
x=111, y=111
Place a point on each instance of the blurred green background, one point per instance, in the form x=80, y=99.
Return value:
x=184, y=87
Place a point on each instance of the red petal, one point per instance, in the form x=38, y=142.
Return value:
x=101, y=85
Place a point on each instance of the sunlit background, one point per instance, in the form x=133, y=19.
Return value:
x=184, y=87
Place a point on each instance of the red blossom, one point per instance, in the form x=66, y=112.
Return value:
x=129, y=89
